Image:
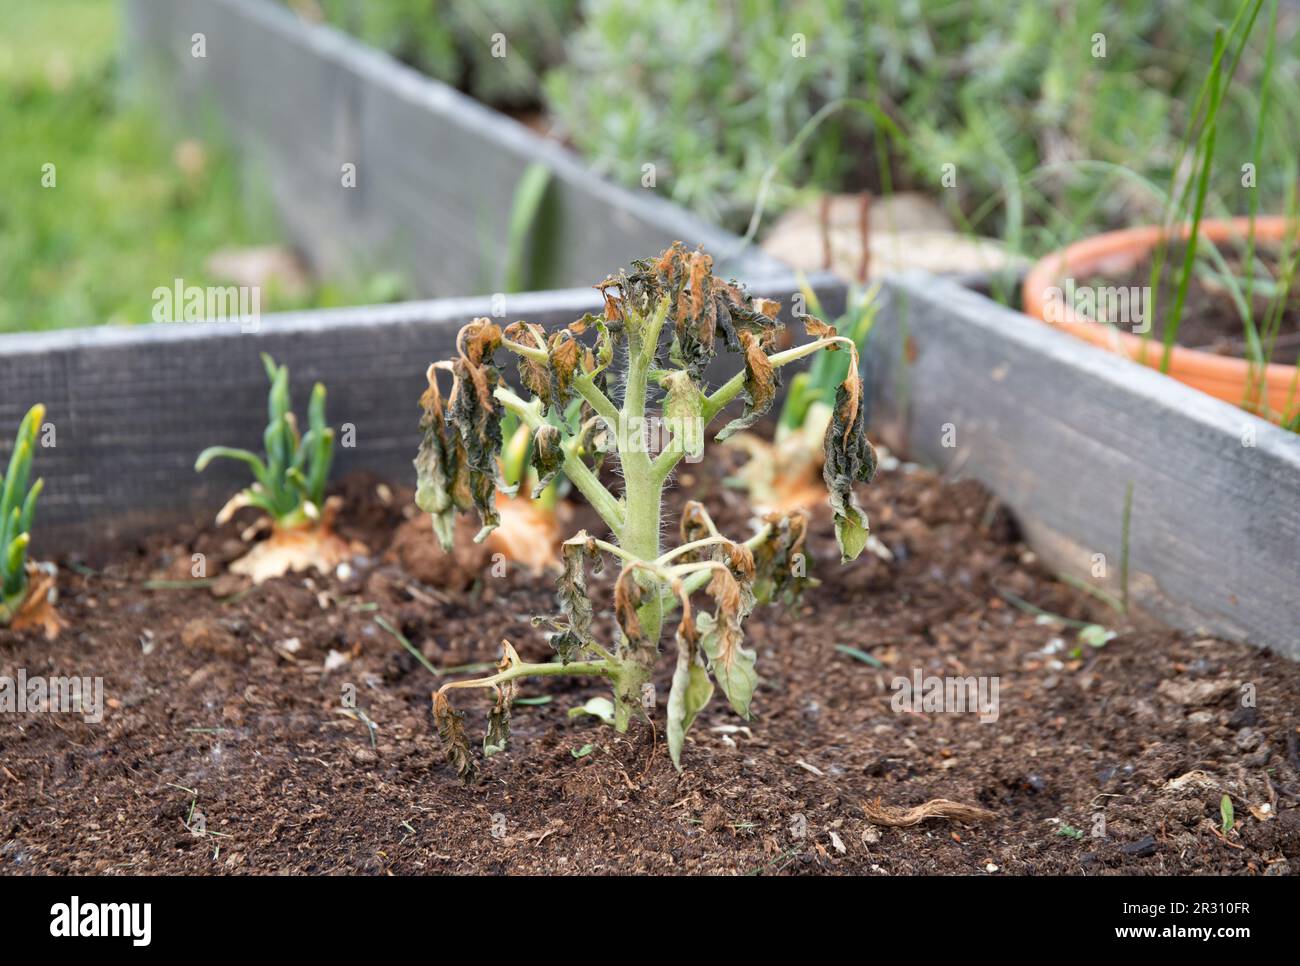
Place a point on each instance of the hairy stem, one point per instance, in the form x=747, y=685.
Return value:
x=693, y=545
x=643, y=502
x=598, y=401
x=729, y=390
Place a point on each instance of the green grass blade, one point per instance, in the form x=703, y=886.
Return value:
x=230, y=452
x=1256, y=148
x=529, y=194
x=16, y=479
x=1206, y=154
x=316, y=409
x=20, y=460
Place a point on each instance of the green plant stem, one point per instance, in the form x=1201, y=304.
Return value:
x=643, y=488
x=692, y=582
x=584, y=383
x=615, y=550
x=688, y=547
x=598, y=401
x=605, y=503
x=527, y=351
x=717, y=401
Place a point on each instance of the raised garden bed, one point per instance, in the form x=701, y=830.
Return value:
x=230, y=705
x=435, y=170
x=1061, y=431
x=1057, y=429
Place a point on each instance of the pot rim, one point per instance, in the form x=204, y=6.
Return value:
x=1082, y=257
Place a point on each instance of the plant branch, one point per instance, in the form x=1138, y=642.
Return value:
x=615, y=550
x=716, y=401
x=606, y=668
x=605, y=503
x=528, y=352
x=729, y=390
x=693, y=545
x=598, y=401
x=695, y=579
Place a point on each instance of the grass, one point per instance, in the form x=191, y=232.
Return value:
x=129, y=208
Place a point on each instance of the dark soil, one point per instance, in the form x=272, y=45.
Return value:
x=1211, y=320
x=226, y=747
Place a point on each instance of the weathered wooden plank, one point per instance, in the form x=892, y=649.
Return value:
x=1060, y=430
x=133, y=407
x=435, y=170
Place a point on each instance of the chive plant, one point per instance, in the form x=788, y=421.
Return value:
x=17, y=508
x=1186, y=205
x=654, y=341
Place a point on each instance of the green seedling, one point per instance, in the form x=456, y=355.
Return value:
x=660, y=327
x=25, y=590
x=289, y=481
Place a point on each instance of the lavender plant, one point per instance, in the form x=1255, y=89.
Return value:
x=660, y=328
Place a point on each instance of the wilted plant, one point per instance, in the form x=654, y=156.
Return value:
x=675, y=295
x=26, y=589
x=289, y=488
x=782, y=474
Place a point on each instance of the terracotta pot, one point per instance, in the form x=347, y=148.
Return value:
x=1115, y=253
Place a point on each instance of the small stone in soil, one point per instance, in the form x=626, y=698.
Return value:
x=1243, y=717
x=1141, y=848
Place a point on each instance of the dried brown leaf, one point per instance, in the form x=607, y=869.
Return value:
x=451, y=729
x=761, y=381
x=850, y=458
